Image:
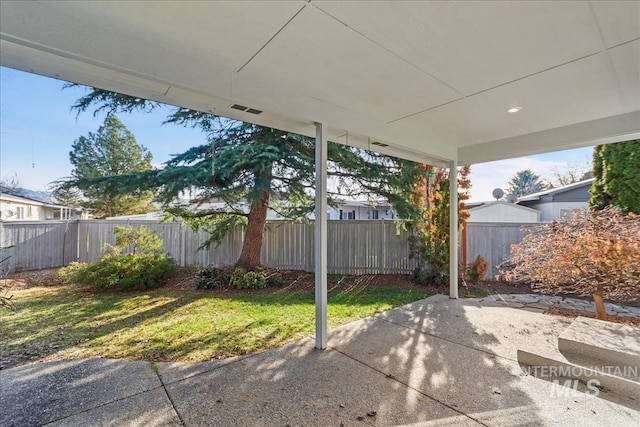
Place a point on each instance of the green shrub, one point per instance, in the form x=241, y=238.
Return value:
x=139, y=239
x=429, y=276
x=122, y=271
x=247, y=280
x=275, y=281
x=69, y=273
x=147, y=267
x=211, y=278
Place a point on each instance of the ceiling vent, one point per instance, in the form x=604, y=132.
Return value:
x=245, y=109
x=379, y=144
x=239, y=107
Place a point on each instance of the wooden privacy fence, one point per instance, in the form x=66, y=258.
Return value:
x=31, y=245
x=493, y=241
x=354, y=247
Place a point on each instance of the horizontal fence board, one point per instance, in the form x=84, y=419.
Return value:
x=354, y=246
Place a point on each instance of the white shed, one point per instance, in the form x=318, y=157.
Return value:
x=501, y=211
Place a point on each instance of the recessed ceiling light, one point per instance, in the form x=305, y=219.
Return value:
x=514, y=109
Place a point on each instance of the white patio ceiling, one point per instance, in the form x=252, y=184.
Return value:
x=433, y=80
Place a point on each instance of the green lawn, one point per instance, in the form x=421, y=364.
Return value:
x=168, y=325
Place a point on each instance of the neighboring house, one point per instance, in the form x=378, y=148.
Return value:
x=344, y=210
x=502, y=211
x=374, y=209
x=14, y=207
x=561, y=202
x=149, y=216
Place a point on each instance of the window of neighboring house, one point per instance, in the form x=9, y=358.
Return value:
x=351, y=215
x=29, y=211
x=19, y=212
x=567, y=213
x=341, y=214
x=374, y=214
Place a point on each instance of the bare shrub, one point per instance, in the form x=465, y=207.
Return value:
x=595, y=253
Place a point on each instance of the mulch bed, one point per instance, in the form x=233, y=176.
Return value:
x=304, y=281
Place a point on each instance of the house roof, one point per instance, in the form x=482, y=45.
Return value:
x=503, y=203
x=29, y=201
x=428, y=81
x=557, y=190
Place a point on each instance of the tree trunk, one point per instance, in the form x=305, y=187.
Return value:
x=601, y=312
x=252, y=246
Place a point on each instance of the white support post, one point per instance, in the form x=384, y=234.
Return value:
x=453, y=229
x=321, y=237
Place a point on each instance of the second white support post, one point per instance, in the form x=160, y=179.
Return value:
x=453, y=230
x=321, y=237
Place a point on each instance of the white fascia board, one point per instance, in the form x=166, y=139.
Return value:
x=623, y=127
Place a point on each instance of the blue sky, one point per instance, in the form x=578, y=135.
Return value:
x=37, y=129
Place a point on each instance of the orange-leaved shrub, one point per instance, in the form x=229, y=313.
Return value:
x=477, y=270
x=595, y=253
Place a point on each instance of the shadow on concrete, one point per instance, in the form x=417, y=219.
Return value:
x=68, y=392
x=434, y=348
x=385, y=370
x=435, y=362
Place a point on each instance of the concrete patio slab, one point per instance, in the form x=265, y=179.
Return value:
x=299, y=385
x=43, y=392
x=486, y=326
x=149, y=409
x=465, y=370
x=170, y=372
x=436, y=362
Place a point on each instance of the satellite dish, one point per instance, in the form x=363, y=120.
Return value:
x=512, y=198
x=498, y=193
x=7, y=213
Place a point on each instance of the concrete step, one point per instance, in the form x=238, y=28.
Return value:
x=596, y=342
x=555, y=366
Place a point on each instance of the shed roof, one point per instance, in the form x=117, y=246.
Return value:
x=503, y=203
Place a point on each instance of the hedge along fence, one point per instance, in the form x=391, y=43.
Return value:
x=354, y=246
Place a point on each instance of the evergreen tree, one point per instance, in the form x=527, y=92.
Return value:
x=616, y=173
x=66, y=196
x=245, y=163
x=110, y=152
x=526, y=182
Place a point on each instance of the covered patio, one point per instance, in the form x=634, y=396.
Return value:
x=443, y=83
